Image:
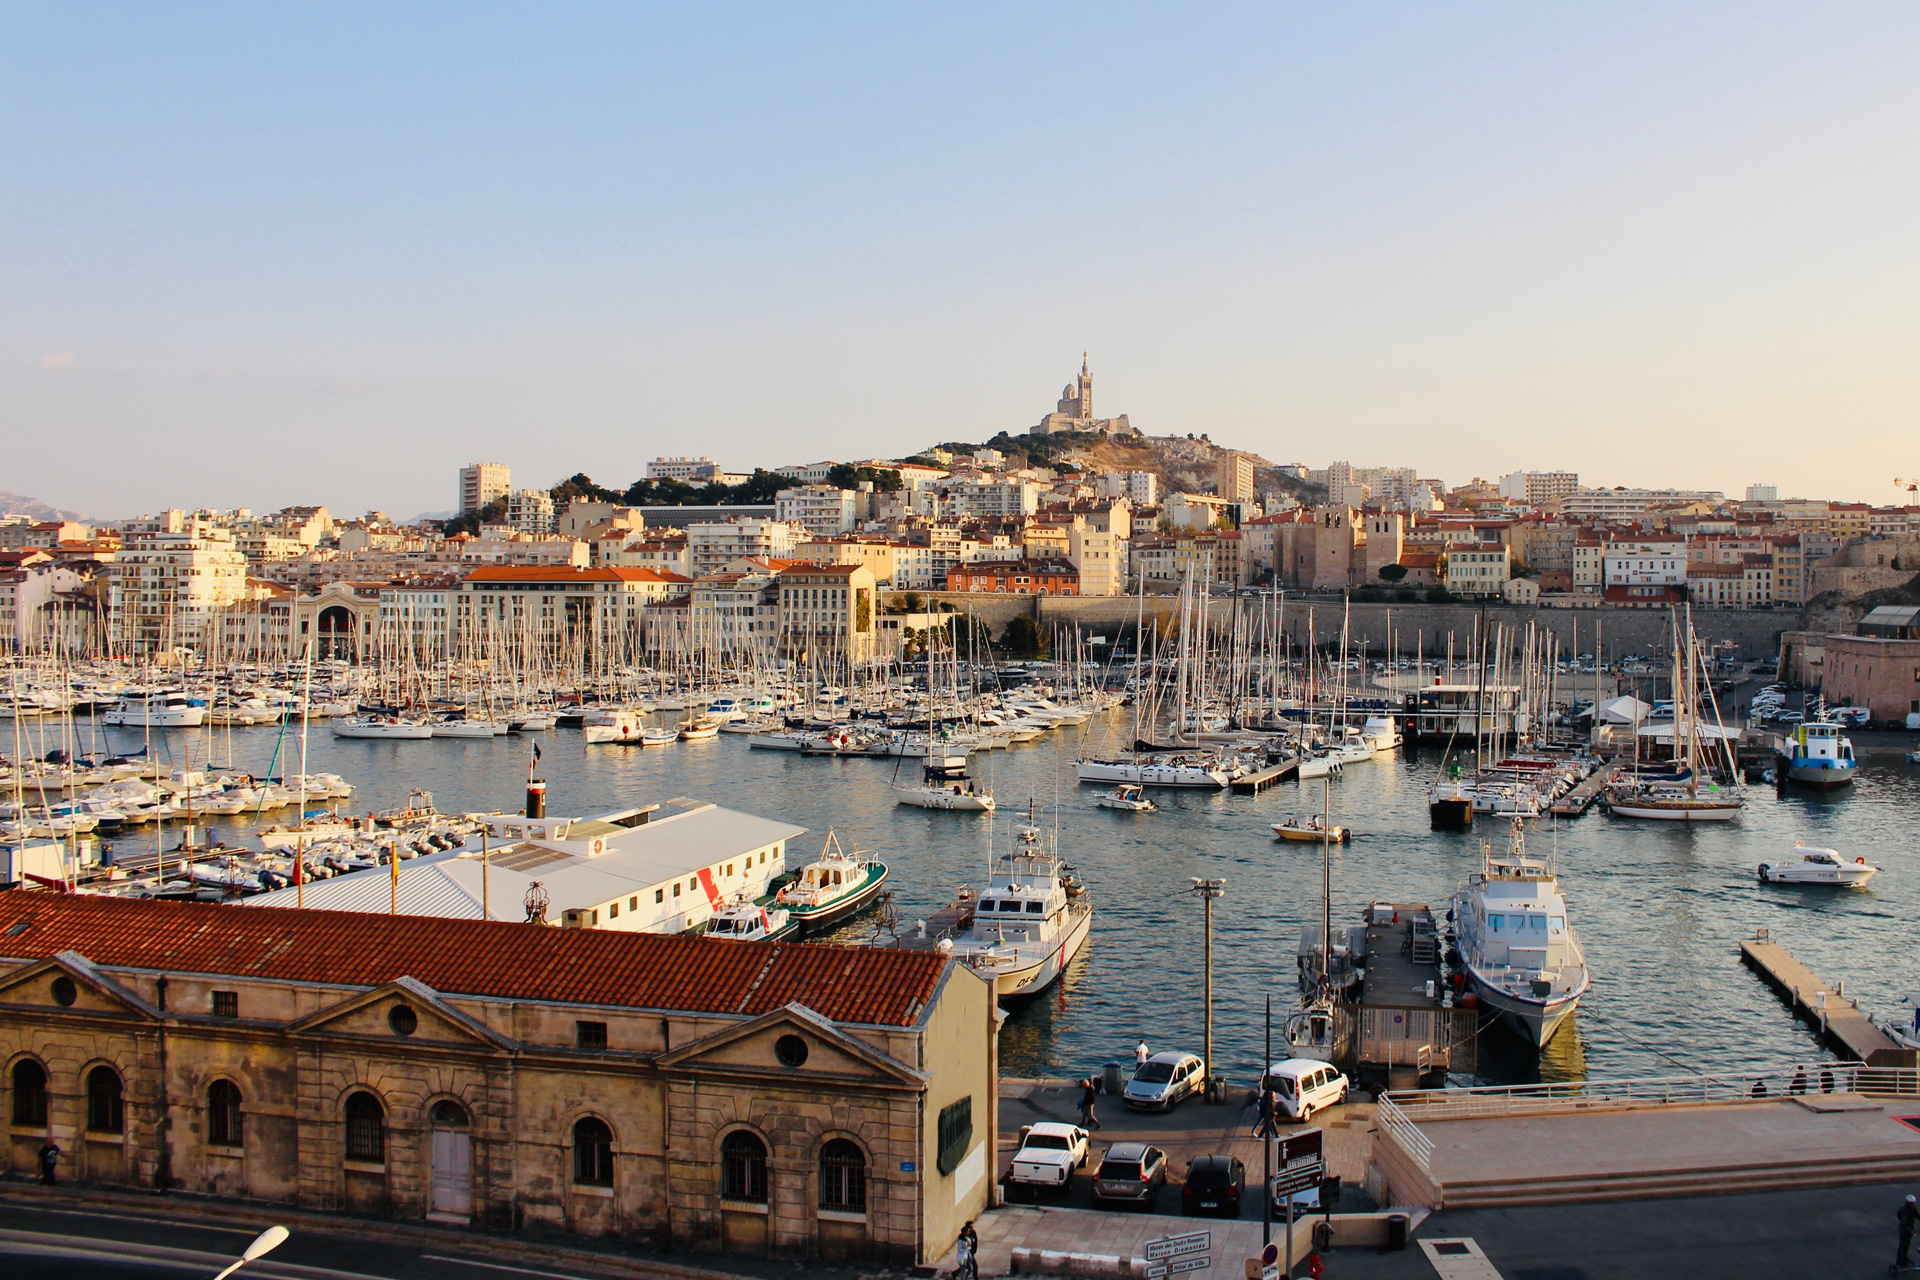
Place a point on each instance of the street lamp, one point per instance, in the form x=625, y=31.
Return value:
x=1208, y=891
x=264, y=1243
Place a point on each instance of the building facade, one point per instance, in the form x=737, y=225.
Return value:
x=481, y=483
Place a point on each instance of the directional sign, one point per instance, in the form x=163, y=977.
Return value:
x=1179, y=1246
x=1179, y=1265
x=1157, y=1271
x=1294, y=1181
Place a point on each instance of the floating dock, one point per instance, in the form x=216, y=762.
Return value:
x=1841, y=1023
x=1581, y=798
x=1409, y=1032
x=1254, y=783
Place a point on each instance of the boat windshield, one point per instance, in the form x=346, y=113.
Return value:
x=1154, y=1073
x=1556, y=925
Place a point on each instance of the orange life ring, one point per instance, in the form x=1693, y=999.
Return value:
x=1861, y=861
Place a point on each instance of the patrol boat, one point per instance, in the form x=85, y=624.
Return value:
x=1517, y=949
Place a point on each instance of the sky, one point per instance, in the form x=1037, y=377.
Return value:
x=270, y=254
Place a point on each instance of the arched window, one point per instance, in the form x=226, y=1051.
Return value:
x=106, y=1112
x=366, y=1128
x=223, y=1114
x=592, y=1153
x=29, y=1093
x=448, y=1114
x=843, y=1176
x=743, y=1168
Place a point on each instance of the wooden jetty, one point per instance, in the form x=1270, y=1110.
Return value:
x=1408, y=1037
x=1254, y=783
x=1581, y=798
x=1840, y=1021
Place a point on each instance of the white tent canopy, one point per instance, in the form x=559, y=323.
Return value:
x=1623, y=710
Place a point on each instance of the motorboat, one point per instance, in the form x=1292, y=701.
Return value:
x=832, y=887
x=744, y=921
x=620, y=728
x=1320, y=764
x=658, y=737
x=1127, y=797
x=1381, y=733
x=382, y=726
x=324, y=826
x=1312, y=828
x=946, y=786
x=1817, y=754
x=699, y=729
x=1516, y=947
x=1030, y=920
x=157, y=711
x=1811, y=864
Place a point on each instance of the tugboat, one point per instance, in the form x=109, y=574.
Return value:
x=1518, y=951
x=1817, y=754
x=832, y=887
x=1030, y=921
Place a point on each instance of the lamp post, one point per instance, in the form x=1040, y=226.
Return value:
x=1208, y=891
x=263, y=1244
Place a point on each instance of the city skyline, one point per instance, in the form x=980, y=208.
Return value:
x=260, y=259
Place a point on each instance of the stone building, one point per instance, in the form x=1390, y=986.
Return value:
x=759, y=1097
x=1074, y=412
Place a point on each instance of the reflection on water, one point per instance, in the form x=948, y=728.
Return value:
x=1659, y=906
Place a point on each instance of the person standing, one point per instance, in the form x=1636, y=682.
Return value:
x=49, y=1157
x=1089, y=1091
x=1907, y=1218
x=1140, y=1055
x=969, y=1253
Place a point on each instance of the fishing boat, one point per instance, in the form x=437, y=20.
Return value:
x=1813, y=865
x=1817, y=754
x=1311, y=828
x=745, y=921
x=1516, y=947
x=1030, y=920
x=832, y=887
x=946, y=786
x=1127, y=797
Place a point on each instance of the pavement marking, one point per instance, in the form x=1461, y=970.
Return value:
x=496, y=1266
x=249, y=1232
x=1458, y=1258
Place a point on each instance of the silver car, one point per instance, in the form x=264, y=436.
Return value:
x=1163, y=1080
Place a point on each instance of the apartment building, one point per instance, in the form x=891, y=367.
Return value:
x=170, y=586
x=827, y=609
x=712, y=546
x=821, y=509
x=530, y=511
x=1016, y=578
x=1478, y=568
x=481, y=483
x=735, y=613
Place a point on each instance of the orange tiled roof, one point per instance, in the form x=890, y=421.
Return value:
x=493, y=958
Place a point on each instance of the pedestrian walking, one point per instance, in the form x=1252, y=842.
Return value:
x=1089, y=1091
x=969, y=1253
x=1907, y=1218
x=49, y=1157
x=1265, y=1126
x=1140, y=1055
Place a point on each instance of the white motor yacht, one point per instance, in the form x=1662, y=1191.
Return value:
x=1030, y=920
x=1127, y=797
x=617, y=727
x=946, y=786
x=745, y=921
x=157, y=711
x=1516, y=946
x=1813, y=865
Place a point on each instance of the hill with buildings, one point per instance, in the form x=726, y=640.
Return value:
x=18, y=504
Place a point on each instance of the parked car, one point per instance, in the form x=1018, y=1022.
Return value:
x=1790, y=717
x=1048, y=1155
x=1163, y=1080
x=1213, y=1187
x=1303, y=1086
x=1132, y=1172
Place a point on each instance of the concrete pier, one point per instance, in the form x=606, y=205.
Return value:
x=1841, y=1023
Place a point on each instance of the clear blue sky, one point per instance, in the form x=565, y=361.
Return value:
x=261, y=254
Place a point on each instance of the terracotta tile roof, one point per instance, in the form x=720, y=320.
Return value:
x=475, y=957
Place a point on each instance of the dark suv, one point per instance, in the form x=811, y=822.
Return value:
x=1132, y=1173
x=1213, y=1187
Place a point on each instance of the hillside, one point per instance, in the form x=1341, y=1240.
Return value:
x=1184, y=464
x=18, y=504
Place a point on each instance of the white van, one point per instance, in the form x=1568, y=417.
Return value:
x=1302, y=1086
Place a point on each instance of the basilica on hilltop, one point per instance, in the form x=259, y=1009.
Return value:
x=1075, y=410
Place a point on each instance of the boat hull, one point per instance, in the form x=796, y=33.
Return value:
x=820, y=920
x=1537, y=1021
x=1151, y=775
x=926, y=799
x=1820, y=775
x=1450, y=814
x=409, y=731
x=1675, y=813
x=1014, y=983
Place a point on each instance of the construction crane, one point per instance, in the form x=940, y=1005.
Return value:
x=1911, y=486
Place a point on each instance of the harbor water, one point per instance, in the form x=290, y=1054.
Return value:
x=1659, y=906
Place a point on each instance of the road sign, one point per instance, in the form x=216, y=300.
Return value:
x=1198, y=1263
x=1270, y=1255
x=1179, y=1246
x=1298, y=1164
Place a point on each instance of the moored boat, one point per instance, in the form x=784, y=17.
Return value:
x=832, y=887
x=1515, y=944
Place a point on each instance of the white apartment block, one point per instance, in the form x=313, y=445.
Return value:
x=993, y=498
x=691, y=470
x=1628, y=504
x=820, y=509
x=807, y=472
x=1101, y=559
x=530, y=511
x=1763, y=493
x=1538, y=488
x=481, y=483
x=1639, y=567
x=712, y=546
x=169, y=588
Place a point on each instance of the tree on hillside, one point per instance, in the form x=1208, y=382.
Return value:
x=1021, y=638
x=580, y=486
x=493, y=513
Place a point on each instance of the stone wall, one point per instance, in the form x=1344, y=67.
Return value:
x=1756, y=632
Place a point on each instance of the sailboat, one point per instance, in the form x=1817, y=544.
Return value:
x=1319, y=1030
x=1682, y=799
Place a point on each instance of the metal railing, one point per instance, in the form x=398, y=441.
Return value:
x=1400, y=1113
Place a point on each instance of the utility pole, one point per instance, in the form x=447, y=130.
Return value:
x=1208, y=891
x=1266, y=1137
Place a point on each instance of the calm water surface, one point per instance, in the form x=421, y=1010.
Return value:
x=1659, y=907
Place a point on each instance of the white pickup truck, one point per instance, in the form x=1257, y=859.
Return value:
x=1048, y=1156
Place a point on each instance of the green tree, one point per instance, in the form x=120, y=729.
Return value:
x=1392, y=572
x=1439, y=595
x=1021, y=638
x=493, y=513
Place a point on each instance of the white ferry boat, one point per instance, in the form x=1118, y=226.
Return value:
x=1030, y=920
x=1516, y=946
